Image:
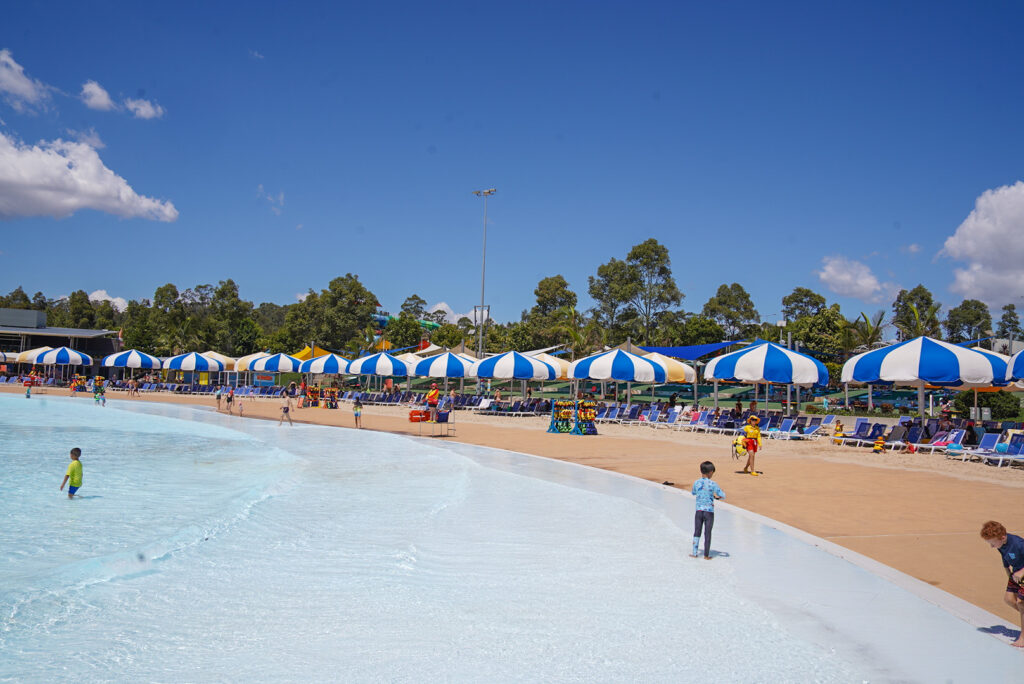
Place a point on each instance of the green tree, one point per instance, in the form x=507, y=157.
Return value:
x=270, y=317
x=800, y=303
x=334, y=317
x=552, y=294
x=415, y=306
x=820, y=333
x=16, y=299
x=655, y=292
x=80, y=311
x=904, y=317
x=688, y=329
x=466, y=325
x=968, y=321
x=39, y=302
x=573, y=329
x=732, y=309
x=138, y=333
x=612, y=289
x=436, y=316
x=105, y=315
x=246, y=337
x=1009, y=324
x=448, y=336
x=404, y=331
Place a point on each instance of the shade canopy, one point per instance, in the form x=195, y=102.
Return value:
x=131, y=358
x=8, y=357
x=329, y=364
x=228, y=361
x=305, y=354
x=513, y=365
x=29, y=354
x=277, y=363
x=1015, y=367
x=62, y=356
x=767, y=362
x=242, y=364
x=925, y=361
x=617, y=365
x=193, y=361
x=447, y=365
x=560, y=365
x=676, y=371
x=380, y=363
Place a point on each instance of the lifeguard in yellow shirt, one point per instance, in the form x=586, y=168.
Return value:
x=752, y=440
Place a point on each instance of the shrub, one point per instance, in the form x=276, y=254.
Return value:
x=1004, y=405
x=812, y=408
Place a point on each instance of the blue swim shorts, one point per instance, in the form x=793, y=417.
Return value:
x=72, y=490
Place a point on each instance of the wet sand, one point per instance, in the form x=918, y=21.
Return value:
x=917, y=513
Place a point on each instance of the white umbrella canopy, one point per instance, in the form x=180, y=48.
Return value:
x=193, y=362
x=617, y=365
x=513, y=365
x=675, y=371
x=26, y=356
x=380, y=363
x=132, y=358
x=560, y=365
x=242, y=364
x=228, y=361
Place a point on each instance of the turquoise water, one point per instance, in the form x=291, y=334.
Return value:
x=208, y=548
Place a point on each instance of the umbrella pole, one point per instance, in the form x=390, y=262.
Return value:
x=846, y=396
x=976, y=416
x=920, y=401
x=871, y=403
x=796, y=388
x=716, y=394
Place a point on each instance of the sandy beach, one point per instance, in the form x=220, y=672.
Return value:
x=917, y=513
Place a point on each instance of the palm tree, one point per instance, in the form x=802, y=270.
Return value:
x=926, y=323
x=577, y=331
x=867, y=332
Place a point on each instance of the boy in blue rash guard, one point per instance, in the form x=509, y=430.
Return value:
x=1011, y=549
x=706, y=490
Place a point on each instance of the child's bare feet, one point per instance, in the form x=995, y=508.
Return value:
x=1019, y=643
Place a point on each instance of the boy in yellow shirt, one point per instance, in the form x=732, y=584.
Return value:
x=752, y=439
x=73, y=476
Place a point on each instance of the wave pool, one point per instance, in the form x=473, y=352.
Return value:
x=209, y=548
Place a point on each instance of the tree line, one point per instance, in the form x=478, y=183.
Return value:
x=634, y=298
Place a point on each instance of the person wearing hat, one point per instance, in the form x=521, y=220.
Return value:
x=432, y=397
x=752, y=440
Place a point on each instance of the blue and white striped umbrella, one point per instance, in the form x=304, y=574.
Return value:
x=617, y=365
x=131, y=358
x=924, y=361
x=1015, y=367
x=381, y=363
x=447, y=365
x=513, y=365
x=193, y=361
x=328, y=364
x=278, y=363
x=767, y=362
x=8, y=357
x=62, y=356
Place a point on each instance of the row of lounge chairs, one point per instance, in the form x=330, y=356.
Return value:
x=18, y=379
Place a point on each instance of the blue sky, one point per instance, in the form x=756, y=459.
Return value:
x=850, y=149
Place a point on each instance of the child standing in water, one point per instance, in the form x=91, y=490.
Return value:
x=706, y=490
x=73, y=476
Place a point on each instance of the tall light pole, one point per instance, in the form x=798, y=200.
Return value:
x=483, y=272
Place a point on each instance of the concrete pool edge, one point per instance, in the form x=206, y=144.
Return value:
x=965, y=611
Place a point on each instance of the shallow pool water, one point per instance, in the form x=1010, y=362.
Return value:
x=205, y=547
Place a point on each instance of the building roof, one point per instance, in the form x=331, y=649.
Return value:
x=56, y=332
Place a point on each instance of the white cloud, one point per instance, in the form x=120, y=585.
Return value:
x=144, y=109
x=912, y=248
x=57, y=178
x=449, y=314
x=20, y=91
x=119, y=303
x=850, y=278
x=301, y=296
x=990, y=241
x=276, y=201
x=95, y=97
x=255, y=55
x=89, y=137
